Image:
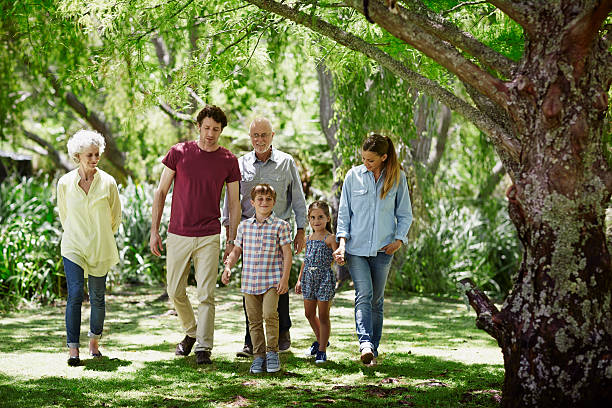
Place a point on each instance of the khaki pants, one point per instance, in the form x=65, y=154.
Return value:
x=205, y=254
x=262, y=308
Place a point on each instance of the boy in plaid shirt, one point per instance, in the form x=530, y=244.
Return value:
x=265, y=243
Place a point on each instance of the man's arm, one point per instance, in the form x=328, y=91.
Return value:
x=233, y=195
x=159, y=199
x=298, y=204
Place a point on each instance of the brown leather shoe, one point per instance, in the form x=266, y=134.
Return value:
x=203, y=357
x=185, y=346
x=284, y=342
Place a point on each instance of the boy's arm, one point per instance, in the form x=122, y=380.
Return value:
x=283, y=285
x=231, y=260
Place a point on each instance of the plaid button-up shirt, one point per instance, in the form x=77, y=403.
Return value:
x=262, y=258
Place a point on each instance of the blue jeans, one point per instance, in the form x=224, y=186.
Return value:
x=97, y=287
x=369, y=274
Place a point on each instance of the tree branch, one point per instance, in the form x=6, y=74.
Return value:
x=520, y=12
x=440, y=27
x=492, y=181
x=444, y=123
x=174, y=115
x=113, y=154
x=58, y=158
x=402, y=26
x=487, y=314
x=504, y=140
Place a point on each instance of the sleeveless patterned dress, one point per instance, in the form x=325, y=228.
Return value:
x=318, y=278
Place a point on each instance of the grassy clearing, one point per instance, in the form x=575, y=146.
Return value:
x=432, y=356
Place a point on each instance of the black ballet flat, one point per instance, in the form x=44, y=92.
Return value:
x=74, y=361
x=96, y=355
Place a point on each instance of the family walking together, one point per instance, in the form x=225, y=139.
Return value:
x=262, y=192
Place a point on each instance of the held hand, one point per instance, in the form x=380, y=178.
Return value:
x=391, y=248
x=299, y=243
x=282, y=287
x=339, y=255
x=226, y=275
x=298, y=287
x=228, y=249
x=155, y=243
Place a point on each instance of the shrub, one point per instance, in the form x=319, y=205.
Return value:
x=460, y=241
x=30, y=261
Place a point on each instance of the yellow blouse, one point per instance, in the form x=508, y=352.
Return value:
x=90, y=221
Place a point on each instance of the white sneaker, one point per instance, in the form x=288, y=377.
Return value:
x=367, y=355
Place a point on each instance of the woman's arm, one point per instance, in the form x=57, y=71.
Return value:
x=61, y=203
x=115, y=207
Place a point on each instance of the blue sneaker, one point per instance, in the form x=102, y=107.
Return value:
x=258, y=365
x=321, y=357
x=272, y=361
x=312, y=351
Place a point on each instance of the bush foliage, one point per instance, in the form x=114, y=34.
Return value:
x=458, y=241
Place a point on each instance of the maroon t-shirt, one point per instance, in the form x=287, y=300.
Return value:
x=198, y=183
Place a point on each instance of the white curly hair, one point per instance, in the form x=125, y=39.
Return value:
x=82, y=140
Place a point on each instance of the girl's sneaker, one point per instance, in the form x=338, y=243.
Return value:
x=312, y=351
x=321, y=357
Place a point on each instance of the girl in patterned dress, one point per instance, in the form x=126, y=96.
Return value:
x=317, y=281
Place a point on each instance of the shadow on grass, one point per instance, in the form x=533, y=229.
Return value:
x=399, y=380
x=104, y=364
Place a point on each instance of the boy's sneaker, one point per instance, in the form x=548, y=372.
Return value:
x=312, y=351
x=321, y=357
x=258, y=365
x=272, y=362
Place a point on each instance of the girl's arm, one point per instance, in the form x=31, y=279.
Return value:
x=330, y=241
x=298, y=285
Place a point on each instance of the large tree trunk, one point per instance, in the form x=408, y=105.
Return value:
x=546, y=116
x=555, y=329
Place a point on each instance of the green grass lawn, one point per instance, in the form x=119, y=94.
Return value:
x=431, y=355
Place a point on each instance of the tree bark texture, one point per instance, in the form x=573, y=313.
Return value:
x=546, y=116
x=555, y=328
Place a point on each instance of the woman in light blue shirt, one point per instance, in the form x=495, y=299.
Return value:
x=374, y=217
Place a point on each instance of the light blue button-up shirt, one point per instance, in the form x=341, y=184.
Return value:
x=280, y=171
x=368, y=222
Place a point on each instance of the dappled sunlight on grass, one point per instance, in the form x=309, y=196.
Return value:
x=431, y=355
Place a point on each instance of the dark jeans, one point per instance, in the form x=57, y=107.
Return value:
x=284, y=320
x=75, y=280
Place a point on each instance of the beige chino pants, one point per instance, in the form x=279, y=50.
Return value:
x=204, y=251
x=263, y=308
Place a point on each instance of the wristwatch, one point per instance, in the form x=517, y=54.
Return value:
x=229, y=242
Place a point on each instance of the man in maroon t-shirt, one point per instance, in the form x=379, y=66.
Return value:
x=199, y=169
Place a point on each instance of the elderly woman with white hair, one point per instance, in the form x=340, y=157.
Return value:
x=90, y=212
